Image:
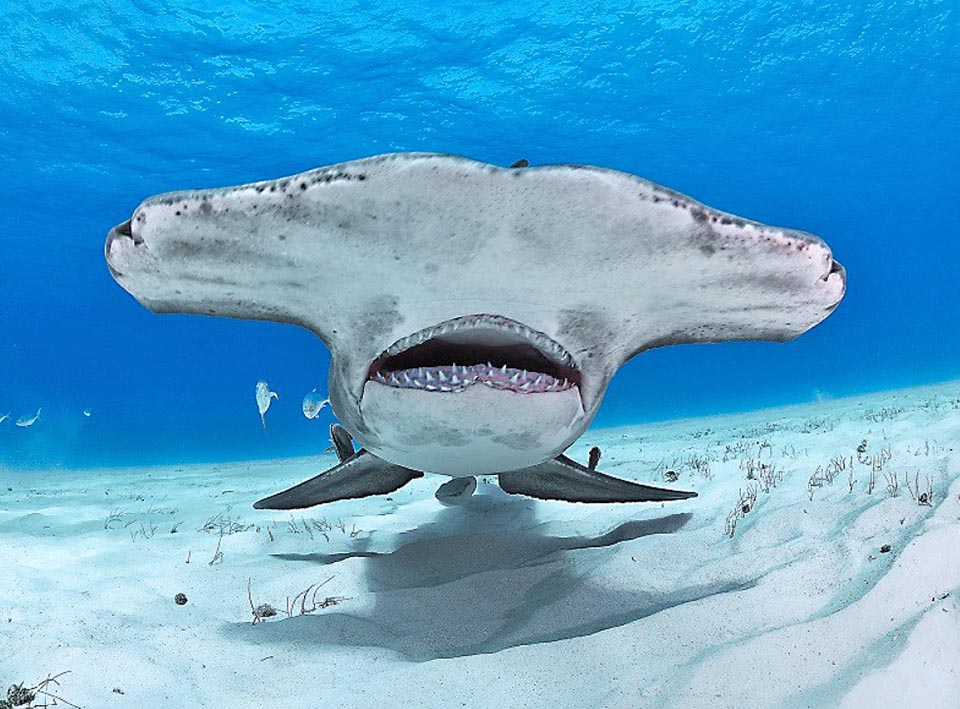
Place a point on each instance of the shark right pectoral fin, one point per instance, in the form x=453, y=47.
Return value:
x=361, y=475
x=564, y=479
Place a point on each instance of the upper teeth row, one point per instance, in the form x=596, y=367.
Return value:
x=541, y=341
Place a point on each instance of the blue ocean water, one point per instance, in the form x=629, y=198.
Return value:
x=835, y=118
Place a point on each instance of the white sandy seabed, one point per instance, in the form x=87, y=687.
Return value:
x=826, y=594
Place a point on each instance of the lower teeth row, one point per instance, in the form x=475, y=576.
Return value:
x=457, y=377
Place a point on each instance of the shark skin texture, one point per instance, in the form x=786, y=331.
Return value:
x=474, y=314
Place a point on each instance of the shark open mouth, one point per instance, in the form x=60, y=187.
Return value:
x=477, y=349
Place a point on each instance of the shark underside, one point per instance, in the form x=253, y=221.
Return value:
x=361, y=474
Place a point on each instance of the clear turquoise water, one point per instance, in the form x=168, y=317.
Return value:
x=835, y=118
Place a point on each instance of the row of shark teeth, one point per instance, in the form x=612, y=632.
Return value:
x=457, y=378
x=495, y=322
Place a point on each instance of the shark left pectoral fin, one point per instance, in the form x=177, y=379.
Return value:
x=342, y=442
x=564, y=479
x=361, y=475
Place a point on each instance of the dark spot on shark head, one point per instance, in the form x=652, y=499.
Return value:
x=382, y=314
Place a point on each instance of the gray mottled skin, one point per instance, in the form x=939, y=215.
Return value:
x=367, y=252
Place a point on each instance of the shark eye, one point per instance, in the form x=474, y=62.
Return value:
x=479, y=349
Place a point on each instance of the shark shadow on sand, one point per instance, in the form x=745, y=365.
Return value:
x=479, y=579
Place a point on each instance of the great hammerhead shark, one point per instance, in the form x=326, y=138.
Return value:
x=475, y=314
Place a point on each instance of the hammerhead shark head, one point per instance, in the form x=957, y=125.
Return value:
x=475, y=314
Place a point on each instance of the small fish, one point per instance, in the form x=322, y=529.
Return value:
x=25, y=421
x=264, y=398
x=87, y=413
x=313, y=404
x=4, y=417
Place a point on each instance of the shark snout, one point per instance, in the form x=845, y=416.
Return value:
x=110, y=248
x=122, y=247
x=836, y=281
